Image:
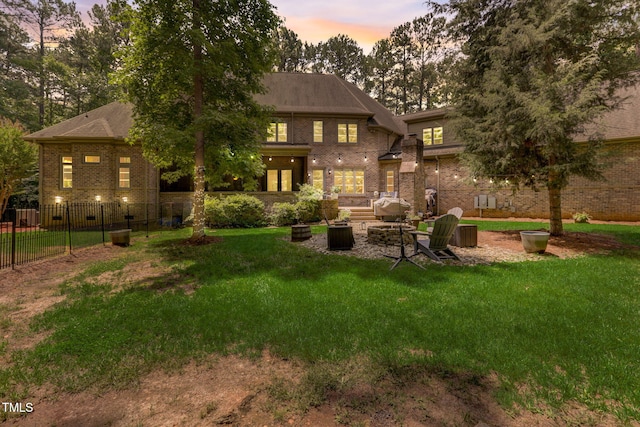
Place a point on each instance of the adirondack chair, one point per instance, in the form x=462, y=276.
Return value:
x=436, y=245
x=454, y=211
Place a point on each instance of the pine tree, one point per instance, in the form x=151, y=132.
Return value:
x=534, y=74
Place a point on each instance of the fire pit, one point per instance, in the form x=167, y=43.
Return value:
x=389, y=235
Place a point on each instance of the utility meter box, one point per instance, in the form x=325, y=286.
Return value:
x=484, y=202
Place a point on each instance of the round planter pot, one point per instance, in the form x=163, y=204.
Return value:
x=534, y=241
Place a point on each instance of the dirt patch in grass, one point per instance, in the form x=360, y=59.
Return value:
x=266, y=391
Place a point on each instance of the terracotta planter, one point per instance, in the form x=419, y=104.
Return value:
x=534, y=241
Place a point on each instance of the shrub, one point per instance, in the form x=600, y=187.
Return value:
x=581, y=217
x=283, y=214
x=236, y=211
x=309, y=204
x=344, y=215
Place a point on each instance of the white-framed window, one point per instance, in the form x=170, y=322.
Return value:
x=390, y=183
x=67, y=171
x=348, y=132
x=317, y=179
x=124, y=172
x=91, y=158
x=279, y=180
x=277, y=132
x=433, y=136
x=350, y=181
x=318, y=131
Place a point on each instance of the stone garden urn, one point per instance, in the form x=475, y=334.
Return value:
x=534, y=241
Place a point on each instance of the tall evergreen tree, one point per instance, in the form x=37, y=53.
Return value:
x=191, y=73
x=291, y=58
x=50, y=21
x=382, y=65
x=429, y=36
x=16, y=92
x=535, y=73
x=343, y=57
x=402, y=43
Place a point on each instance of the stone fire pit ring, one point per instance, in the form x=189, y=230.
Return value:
x=388, y=234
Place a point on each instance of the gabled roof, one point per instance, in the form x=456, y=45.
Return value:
x=111, y=121
x=421, y=116
x=323, y=94
x=298, y=93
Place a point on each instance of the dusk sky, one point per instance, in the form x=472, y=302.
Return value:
x=365, y=21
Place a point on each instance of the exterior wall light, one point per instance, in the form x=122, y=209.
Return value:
x=98, y=198
x=58, y=199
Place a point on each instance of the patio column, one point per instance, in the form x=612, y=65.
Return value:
x=411, y=186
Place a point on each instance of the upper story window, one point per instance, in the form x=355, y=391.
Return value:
x=347, y=132
x=91, y=159
x=67, y=172
x=318, y=131
x=432, y=136
x=277, y=132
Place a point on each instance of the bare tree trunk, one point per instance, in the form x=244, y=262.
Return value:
x=199, y=173
x=555, y=205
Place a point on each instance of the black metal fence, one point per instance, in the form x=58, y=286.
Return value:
x=31, y=234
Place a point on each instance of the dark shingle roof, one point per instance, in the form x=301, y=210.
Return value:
x=296, y=93
x=107, y=122
x=304, y=93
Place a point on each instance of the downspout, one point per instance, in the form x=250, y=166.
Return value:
x=438, y=186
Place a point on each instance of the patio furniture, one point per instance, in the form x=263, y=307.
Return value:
x=465, y=236
x=340, y=238
x=453, y=211
x=390, y=208
x=436, y=245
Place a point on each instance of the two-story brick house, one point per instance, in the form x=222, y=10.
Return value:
x=328, y=133
x=325, y=132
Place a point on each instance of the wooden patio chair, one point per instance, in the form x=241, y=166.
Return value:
x=457, y=211
x=436, y=246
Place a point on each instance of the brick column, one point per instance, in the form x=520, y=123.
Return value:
x=412, y=174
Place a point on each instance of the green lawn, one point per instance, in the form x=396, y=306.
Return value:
x=567, y=329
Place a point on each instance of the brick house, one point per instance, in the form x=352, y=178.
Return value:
x=325, y=131
x=329, y=133
x=615, y=199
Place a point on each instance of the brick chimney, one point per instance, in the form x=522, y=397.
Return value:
x=412, y=174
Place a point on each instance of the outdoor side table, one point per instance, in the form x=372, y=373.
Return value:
x=340, y=237
x=465, y=236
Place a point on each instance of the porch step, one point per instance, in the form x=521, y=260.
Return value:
x=360, y=213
